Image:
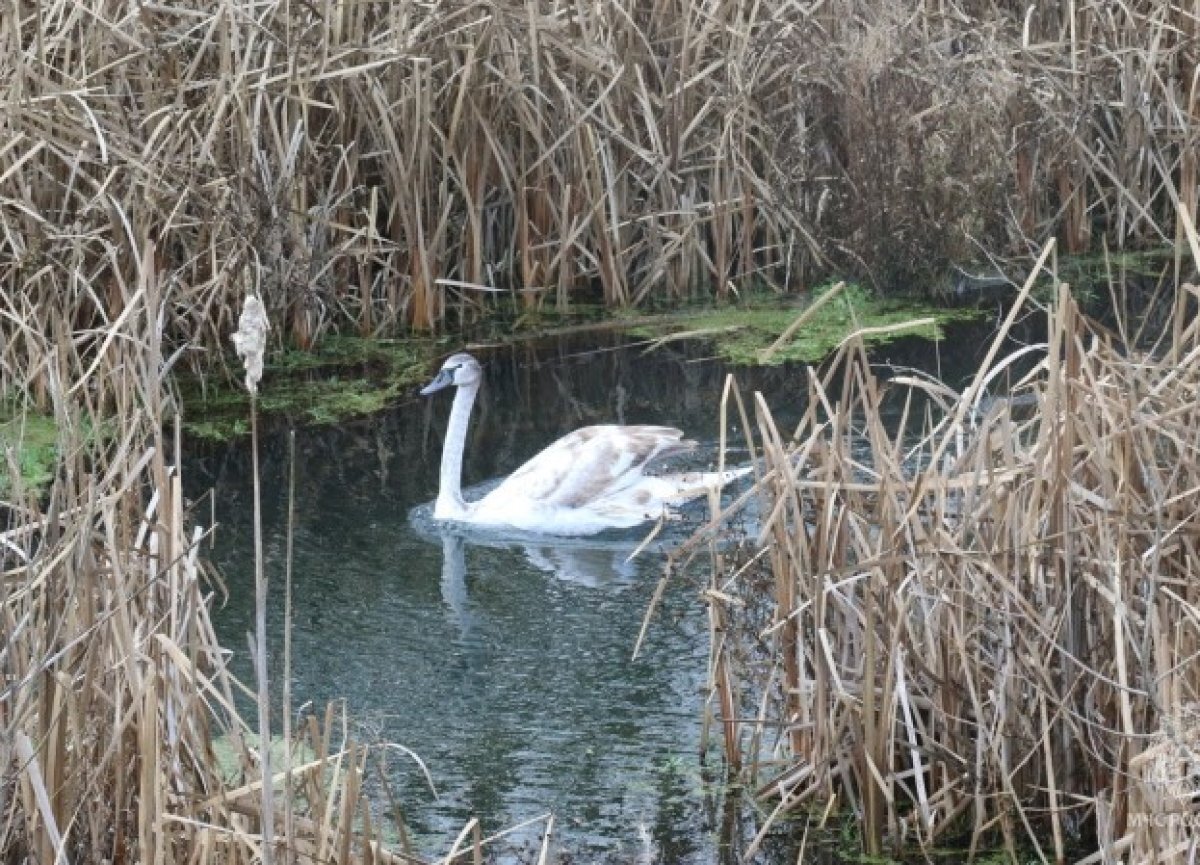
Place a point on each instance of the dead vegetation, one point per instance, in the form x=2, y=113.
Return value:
x=381, y=166
x=953, y=132
x=121, y=738
x=113, y=686
x=1012, y=655
x=980, y=626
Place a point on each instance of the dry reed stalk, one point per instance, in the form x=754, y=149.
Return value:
x=984, y=626
x=115, y=699
x=286, y=696
x=333, y=162
x=344, y=168
x=250, y=341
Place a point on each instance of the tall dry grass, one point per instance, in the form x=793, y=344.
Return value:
x=378, y=166
x=922, y=135
x=121, y=739
x=980, y=624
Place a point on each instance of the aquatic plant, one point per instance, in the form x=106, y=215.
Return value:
x=343, y=378
x=979, y=623
x=379, y=168
x=28, y=447
x=120, y=734
x=757, y=331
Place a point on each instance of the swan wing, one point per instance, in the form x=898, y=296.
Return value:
x=590, y=465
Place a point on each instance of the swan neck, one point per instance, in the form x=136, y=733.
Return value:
x=450, y=502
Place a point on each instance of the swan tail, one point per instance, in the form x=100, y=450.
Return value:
x=689, y=485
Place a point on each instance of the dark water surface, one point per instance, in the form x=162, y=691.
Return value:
x=505, y=665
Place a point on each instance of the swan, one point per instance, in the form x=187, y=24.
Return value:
x=588, y=481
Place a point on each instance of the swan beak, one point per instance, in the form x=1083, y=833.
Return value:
x=444, y=379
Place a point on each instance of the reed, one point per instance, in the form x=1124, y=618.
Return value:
x=381, y=166
x=375, y=167
x=953, y=132
x=980, y=623
x=120, y=734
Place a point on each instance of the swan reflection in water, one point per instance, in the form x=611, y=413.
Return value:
x=607, y=562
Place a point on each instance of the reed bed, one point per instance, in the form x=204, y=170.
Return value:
x=935, y=134
x=377, y=166
x=380, y=166
x=979, y=624
x=121, y=738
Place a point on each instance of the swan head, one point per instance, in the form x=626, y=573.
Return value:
x=459, y=370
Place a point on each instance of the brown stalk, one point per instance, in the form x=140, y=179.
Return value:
x=966, y=618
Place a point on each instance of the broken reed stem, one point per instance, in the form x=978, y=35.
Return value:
x=260, y=646
x=980, y=603
x=288, y=790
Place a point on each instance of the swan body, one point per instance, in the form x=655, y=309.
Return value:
x=589, y=480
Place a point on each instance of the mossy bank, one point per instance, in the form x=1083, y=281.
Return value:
x=344, y=378
x=347, y=377
x=30, y=450
x=742, y=333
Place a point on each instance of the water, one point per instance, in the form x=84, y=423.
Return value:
x=505, y=665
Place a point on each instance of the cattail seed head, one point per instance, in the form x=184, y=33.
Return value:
x=250, y=340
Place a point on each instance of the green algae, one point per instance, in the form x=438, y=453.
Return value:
x=344, y=378
x=348, y=377
x=741, y=332
x=29, y=441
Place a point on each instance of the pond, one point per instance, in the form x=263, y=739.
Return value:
x=507, y=666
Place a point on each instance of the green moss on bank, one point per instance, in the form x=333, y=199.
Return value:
x=348, y=377
x=230, y=761
x=741, y=332
x=344, y=378
x=29, y=442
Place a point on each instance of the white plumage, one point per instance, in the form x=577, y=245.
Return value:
x=589, y=480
